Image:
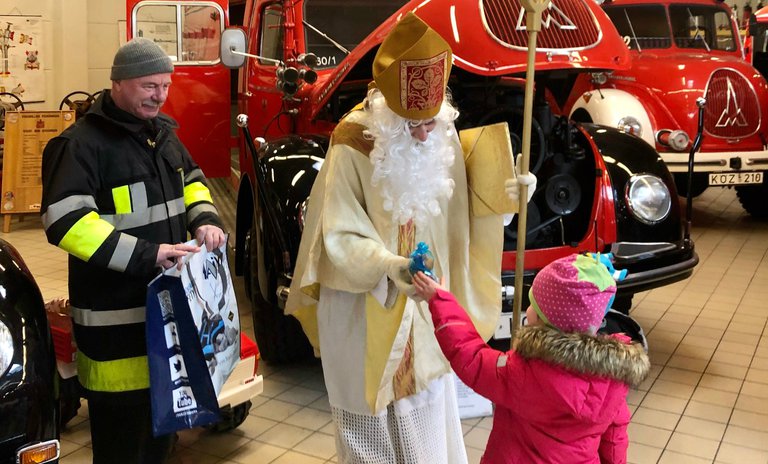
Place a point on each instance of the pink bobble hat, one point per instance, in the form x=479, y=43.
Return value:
x=573, y=293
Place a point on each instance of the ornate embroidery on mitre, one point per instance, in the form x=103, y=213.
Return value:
x=422, y=82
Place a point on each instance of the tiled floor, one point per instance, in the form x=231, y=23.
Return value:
x=706, y=400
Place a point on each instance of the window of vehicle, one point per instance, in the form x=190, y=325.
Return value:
x=642, y=26
x=190, y=33
x=271, y=45
x=330, y=35
x=706, y=27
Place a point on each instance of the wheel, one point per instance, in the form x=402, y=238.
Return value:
x=80, y=106
x=280, y=338
x=69, y=399
x=752, y=199
x=231, y=418
x=699, y=183
x=9, y=102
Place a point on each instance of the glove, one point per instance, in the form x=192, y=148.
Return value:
x=512, y=185
x=397, y=271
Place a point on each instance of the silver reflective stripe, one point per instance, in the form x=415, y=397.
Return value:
x=199, y=209
x=139, y=196
x=176, y=207
x=90, y=318
x=147, y=216
x=194, y=176
x=123, y=252
x=59, y=209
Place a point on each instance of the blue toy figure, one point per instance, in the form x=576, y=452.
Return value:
x=422, y=260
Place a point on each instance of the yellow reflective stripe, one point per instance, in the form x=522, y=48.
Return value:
x=122, y=198
x=86, y=236
x=113, y=376
x=194, y=192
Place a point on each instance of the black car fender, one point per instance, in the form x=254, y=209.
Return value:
x=625, y=155
x=287, y=167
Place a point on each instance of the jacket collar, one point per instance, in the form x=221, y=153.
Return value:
x=105, y=109
x=602, y=356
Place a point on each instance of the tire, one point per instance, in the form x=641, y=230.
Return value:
x=69, y=399
x=280, y=338
x=231, y=418
x=699, y=184
x=753, y=199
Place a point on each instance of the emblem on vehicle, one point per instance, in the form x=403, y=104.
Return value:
x=731, y=115
x=552, y=14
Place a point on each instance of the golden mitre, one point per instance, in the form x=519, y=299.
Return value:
x=411, y=69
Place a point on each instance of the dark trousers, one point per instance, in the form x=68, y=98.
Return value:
x=121, y=430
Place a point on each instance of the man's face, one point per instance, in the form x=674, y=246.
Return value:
x=142, y=96
x=420, y=129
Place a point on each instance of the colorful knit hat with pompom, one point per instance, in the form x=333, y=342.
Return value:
x=573, y=293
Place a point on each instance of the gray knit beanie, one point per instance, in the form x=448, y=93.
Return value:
x=138, y=58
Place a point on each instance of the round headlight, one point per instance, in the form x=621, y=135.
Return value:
x=648, y=198
x=630, y=125
x=6, y=347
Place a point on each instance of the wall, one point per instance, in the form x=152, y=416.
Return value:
x=80, y=39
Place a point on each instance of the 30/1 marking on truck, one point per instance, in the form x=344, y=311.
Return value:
x=735, y=178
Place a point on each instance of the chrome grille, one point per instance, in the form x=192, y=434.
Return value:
x=732, y=109
x=565, y=24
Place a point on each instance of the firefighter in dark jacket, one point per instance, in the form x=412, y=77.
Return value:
x=120, y=194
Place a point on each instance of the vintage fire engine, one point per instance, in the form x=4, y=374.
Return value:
x=309, y=62
x=682, y=51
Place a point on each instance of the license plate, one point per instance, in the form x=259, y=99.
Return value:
x=735, y=178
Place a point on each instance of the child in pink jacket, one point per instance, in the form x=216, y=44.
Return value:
x=560, y=393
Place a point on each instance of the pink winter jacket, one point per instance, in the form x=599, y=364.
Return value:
x=560, y=398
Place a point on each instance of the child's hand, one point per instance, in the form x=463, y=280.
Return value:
x=425, y=286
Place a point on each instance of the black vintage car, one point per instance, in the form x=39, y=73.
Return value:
x=29, y=425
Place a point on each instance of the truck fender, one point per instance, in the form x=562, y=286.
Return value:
x=608, y=106
x=290, y=165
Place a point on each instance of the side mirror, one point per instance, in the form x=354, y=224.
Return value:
x=752, y=25
x=232, y=45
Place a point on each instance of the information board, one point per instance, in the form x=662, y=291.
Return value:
x=26, y=134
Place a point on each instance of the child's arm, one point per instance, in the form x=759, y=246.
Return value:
x=614, y=441
x=479, y=366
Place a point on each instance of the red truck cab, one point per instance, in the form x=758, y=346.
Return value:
x=303, y=64
x=682, y=51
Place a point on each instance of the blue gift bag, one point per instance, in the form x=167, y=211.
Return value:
x=180, y=384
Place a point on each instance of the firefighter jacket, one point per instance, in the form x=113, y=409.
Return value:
x=114, y=188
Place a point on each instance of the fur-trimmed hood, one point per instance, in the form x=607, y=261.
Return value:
x=603, y=356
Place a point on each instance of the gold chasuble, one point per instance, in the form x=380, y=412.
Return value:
x=384, y=339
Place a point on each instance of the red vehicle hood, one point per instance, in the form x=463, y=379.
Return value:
x=488, y=37
x=736, y=92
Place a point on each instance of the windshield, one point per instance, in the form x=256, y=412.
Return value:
x=333, y=27
x=692, y=26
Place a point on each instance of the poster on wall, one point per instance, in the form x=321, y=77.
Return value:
x=21, y=57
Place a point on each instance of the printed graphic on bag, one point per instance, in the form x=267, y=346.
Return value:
x=183, y=400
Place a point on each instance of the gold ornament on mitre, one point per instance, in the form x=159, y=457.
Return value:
x=489, y=163
x=411, y=69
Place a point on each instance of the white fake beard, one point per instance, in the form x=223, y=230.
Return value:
x=413, y=176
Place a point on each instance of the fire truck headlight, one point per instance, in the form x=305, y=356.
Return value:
x=6, y=347
x=630, y=125
x=648, y=198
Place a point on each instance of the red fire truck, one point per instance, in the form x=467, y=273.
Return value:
x=304, y=63
x=682, y=51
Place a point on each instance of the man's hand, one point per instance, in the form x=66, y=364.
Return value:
x=512, y=185
x=211, y=236
x=425, y=286
x=170, y=255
